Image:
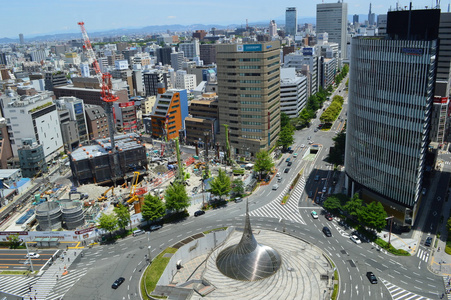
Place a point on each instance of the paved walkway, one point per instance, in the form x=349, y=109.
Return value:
x=53, y=275
x=299, y=276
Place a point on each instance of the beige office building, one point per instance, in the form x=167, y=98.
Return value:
x=249, y=96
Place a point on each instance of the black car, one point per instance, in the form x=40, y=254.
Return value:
x=199, y=213
x=371, y=277
x=291, y=151
x=118, y=282
x=326, y=231
x=289, y=163
x=428, y=241
x=286, y=170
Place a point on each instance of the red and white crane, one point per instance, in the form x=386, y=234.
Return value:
x=107, y=96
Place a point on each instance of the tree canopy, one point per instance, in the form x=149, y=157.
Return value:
x=353, y=206
x=238, y=187
x=176, y=197
x=122, y=216
x=373, y=216
x=153, y=208
x=286, y=138
x=263, y=162
x=284, y=120
x=108, y=222
x=220, y=185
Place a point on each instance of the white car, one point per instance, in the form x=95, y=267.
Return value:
x=355, y=239
x=278, y=174
x=155, y=227
x=314, y=215
x=32, y=255
x=302, y=146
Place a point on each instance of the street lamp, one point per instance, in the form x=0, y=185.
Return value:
x=391, y=225
x=149, y=257
x=29, y=257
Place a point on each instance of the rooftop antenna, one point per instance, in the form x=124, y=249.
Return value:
x=448, y=6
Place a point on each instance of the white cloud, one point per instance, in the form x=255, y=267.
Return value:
x=172, y=17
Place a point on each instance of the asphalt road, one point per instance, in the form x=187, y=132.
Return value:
x=16, y=260
x=126, y=258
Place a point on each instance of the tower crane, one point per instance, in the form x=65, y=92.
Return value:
x=106, y=95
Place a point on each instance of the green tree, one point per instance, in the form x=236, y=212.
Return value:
x=153, y=208
x=14, y=241
x=373, y=216
x=353, y=206
x=176, y=197
x=122, y=215
x=108, y=222
x=332, y=204
x=284, y=119
x=286, y=137
x=220, y=185
x=238, y=187
x=263, y=162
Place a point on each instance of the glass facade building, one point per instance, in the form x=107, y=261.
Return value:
x=291, y=21
x=391, y=92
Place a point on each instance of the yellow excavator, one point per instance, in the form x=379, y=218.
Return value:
x=103, y=197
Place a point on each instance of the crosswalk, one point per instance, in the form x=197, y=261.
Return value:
x=289, y=211
x=66, y=283
x=398, y=293
x=423, y=255
x=17, y=285
x=20, y=285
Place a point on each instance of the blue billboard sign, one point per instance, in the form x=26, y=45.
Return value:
x=307, y=51
x=78, y=108
x=252, y=47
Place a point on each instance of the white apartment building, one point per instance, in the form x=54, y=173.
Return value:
x=177, y=59
x=186, y=81
x=293, y=92
x=33, y=117
x=191, y=50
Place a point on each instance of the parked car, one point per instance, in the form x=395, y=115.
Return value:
x=329, y=217
x=118, y=282
x=138, y=232
x=314, y=215
x=371, y=277
x=155, y=227
x=238, y=199
x=326, y=231
x=355, y=239
x=199, y=213
x=428, y=241
x=32, y=255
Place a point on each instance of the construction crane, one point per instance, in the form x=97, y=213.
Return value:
x=132, y=196
x=107, y=96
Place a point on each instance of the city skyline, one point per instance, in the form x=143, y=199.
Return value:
x=33, y=18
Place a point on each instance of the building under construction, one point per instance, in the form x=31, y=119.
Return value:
x=94, y=163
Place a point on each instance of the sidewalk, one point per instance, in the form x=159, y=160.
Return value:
x=50, y=278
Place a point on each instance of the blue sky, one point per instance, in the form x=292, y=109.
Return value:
x=37, y=17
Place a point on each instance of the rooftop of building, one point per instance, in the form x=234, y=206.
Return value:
x=123, y=142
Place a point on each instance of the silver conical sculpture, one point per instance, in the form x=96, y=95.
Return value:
x=248, y=260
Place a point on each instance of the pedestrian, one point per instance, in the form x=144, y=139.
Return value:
x=68, y=259
x=56, y=277
x=75, y=253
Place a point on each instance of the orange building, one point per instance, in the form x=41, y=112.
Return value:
x=169, y=113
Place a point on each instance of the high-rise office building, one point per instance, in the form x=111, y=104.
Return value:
x=355, y=19
x=21, y=39
x=333, y=18
x=249, y=95
x=291, y=21
x=389, y=116
x=272, y=28
x=371, y=17
x=164, y=55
